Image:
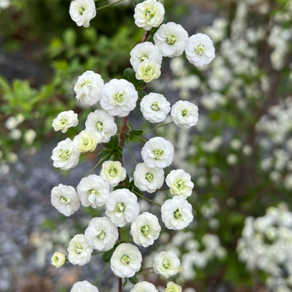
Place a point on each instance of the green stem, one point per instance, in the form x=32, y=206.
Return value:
x=150, y=201
x=142, y=139
x=131, y=152
x=101, y=273
x=158, y=127
x=97, y=164
x=108, y=5
x=96, y=253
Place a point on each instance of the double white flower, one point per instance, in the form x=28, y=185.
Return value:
x=148, y=71
x=185, y=114
x=58, y=259
x=103, y=123
x=82, y=11
x=65, y=156
x=200, y=50
x=148, y=179
x=88, y=88
x=119, y=97
x=145, y=52
x=101, y=233
x=154, y=107
x=144, y=286
x=93, y=191
x=113, y=172
x=158, y=152
x=149, y=14
x=145, y=229
x=86, y=141
x=83, y=286
x=122, y=207
x=180, y=183
x=65, y=120
x=166, y=263
x=171, y=39
x=79, y=251
x=65, y=199
x=176, y=213
x=126, y=260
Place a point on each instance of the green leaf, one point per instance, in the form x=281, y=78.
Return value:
x=130, y=75
x=103, y=154
x=134, y=280
x=106, y=257
x=125, y=283
x=113, y=143
x=90, y=34
x=141, y=93
x=70, y=37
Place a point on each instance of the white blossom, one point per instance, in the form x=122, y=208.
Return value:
x=166, y=263
x=82, y=286
x=176, y=213
x=119, y=97
x=149, y=14
x=93, y=191
x=126, y=260
x=200, y=50
x=58, y=259
x=103, y=123
x=101, y=233
x=185, y=114
x=82, y=11
x=158, y=152
x=148, y=179
x=148, y=71
x=65, y=199
x=86, y=141
x=180, y=183
x=144, y=286
x=122, y=207
x=171, y=39
x=113, y=172
x=145, y=52
x=145, y=229
x=65, y=120
x=172, y=287
x=88, y=88
x=79, y=251
x=154, y=107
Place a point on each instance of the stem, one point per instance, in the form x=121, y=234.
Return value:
x=96, y=253
x=158, y=127
x=101, y=273
x=123, y=131
x=131, y=152
x=142, y=139
x=108, y=5
x=97, y=164
x=150, y=201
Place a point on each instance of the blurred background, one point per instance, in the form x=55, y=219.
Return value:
x=239, y=154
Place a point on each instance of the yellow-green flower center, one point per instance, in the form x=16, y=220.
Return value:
x=99, y=126
x=64, y=120
x=157, y=153
x=64, y=154
x=200, y=50
x=119, y=97
x=120, y=207
x=155, y=106
x=166, y=264
x=78, y=248
x=93, y=192
x=125, y=260
x=64, y=200
x=113, y=172
x=145, y=230
x=170, y=40
x=101, y=235
x=148, y=14
x=180, y=183
x=177, y=214
x=149, y=176
x=81, y=10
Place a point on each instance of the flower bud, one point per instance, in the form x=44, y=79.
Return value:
x=58, y=259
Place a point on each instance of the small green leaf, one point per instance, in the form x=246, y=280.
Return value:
x=106, y=257
x=125, y=283
x=103, y=154
x=141, y=93
x=134, y=280
x=113, y=143
x=70, y=37
x=130, y=75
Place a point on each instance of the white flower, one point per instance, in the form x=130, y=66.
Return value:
x=126, y=260
x=58, y=259
x=86, y=141
x=113, y=172
x=171, y=39
x=158, y=152
x=154, y=107
x=82, y=11
x=65, y=120
x=176, y=213
x=88, y=88
x=82, y=286
x=144, y=286
x=64, y=155
x=65, y=199
x=172, y=287
x=148, y=179
x=149, y=14
x=147, y=71
x=4, y=4
x=200, y=50
x=79, y=251
x=29, y=136
x=145, y=52
x=101, y=233
x=180, y=183
x=119, y=97
x=122, y=207
x=184, y=114
x=93, y=191
x=103, y=123
x=166, y=263
x=145, y=229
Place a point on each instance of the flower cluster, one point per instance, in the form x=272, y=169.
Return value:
x=112, y=190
